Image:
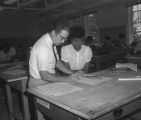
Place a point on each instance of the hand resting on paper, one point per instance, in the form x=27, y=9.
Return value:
x=75, y=76
x=78, y=72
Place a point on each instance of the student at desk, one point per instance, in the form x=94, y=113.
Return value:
x=7, y=54
x=120, y=42
x=137, y=48
x=43, y=60
x=76, y=55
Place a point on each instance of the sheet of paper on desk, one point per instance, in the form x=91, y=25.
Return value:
x=130, y=78
x=127, y=65
x=5, y=65
x=93, y=80
x=58, y=89
x=14, y=72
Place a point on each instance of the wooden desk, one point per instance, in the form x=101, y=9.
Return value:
x=106, y=61
x=108, y=100
x=17, y=82
x=134, y=59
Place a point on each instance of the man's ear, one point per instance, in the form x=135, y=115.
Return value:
x=54, y=32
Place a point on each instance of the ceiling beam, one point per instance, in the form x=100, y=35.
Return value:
x=58, y=4
x=54, y=5
x=88, y=8
x=99, y=2
x=25, y=4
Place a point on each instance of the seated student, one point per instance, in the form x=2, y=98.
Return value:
x=76, y=55
x=137, y=48
x=120, y=41
x=7, y=54
x=89, y=41
x=108, y=42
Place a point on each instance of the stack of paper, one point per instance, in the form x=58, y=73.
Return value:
x=130, y=78
x=127, y=65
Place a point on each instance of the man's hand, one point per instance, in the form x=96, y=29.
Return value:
x=75, y=76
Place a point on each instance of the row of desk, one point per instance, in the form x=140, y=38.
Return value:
x=16, y=79
x=104, y=61
x=111, y=99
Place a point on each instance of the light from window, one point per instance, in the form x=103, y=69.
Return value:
x=137, y=21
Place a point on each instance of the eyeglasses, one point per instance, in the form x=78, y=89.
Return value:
x=62, y=38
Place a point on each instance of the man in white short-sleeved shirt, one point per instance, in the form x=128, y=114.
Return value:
x=76, y=55
x=42, y=60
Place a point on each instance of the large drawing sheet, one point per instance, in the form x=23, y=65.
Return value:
x=130, y=79
x=93, y=80
x=14, y=72
x=57, y=89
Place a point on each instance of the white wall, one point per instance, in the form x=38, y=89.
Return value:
x=113, y=16
x=112, y=21
x=107, y=17
x=10, y=28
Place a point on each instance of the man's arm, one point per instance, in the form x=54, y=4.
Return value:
x=86, y=67
x=63, y=67
x=54, y=78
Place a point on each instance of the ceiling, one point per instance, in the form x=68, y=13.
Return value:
x=35, y=11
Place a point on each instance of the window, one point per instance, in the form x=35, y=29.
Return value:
x=88, y=21
x=136, y=9
x=91, y=24
x=74, y=21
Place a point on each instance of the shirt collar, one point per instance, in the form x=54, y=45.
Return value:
x=49, y=40
x=79, y=50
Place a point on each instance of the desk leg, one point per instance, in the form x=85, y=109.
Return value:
x=9, y=101
x=25, y=108
x=32, y=107
x=77, y=118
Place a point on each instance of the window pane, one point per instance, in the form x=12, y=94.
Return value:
x=139, y=7
x=138, y=27
x=139, y=16
x=135, y=17
x=137, y=21
x=135, y=8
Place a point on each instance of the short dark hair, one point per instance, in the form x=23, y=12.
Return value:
x=107, y=37
x=59, y=26
x=121, y=35
x=77, y=32
x=89, y=40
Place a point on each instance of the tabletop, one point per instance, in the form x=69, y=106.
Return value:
x=13, y=71
x=102, y=92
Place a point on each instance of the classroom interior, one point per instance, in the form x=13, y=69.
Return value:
x=23, y=22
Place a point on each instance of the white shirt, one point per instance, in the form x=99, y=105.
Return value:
x=42, y=57
x=76, y=60
x=7, y=56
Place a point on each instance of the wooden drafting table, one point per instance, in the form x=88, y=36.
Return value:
x=15, y=78
x=107, y=100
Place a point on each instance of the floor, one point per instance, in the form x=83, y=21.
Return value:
x=4, y=110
